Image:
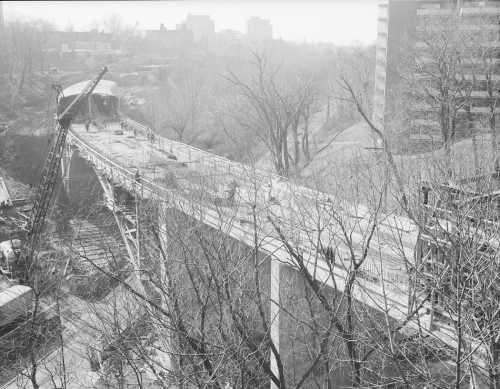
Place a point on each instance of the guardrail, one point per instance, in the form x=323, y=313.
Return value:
x=214, y=161
x=225, y=166
x=114, y=169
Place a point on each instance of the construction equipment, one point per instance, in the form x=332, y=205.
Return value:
x=29, y=236
x=14, y=302
x=130, y=51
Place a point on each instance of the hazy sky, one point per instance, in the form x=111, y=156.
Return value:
x=338, y=21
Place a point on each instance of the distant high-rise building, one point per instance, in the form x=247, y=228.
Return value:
x=259, y=29
x=168, y=41
x=225, y=41
x=201, y=25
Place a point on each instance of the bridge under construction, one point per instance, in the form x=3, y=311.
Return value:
x=292, y=223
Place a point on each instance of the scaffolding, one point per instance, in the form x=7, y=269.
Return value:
x=458, y=245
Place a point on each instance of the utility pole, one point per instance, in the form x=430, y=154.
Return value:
x=3, y=43
x=2, y=25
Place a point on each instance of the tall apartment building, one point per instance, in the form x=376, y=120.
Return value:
x=201, y=25
x=452, y=53
x=259, y=29
x=477, y=76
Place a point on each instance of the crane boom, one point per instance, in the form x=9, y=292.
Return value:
x=128, y=36
x=65, y=116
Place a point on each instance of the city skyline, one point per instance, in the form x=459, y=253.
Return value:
x=341, y=22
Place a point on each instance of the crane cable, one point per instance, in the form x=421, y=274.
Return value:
x=42, y=150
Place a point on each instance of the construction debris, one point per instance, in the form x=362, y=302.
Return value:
x=5, y=200
x=128, y=99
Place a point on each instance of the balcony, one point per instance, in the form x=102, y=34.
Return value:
x=470, y=77
x=430, y=124
x=463, y=27
x=426, y=137
x=431, y=91
x=433, y=12
x=475, y=109
x=480, y=11
x=489, y=45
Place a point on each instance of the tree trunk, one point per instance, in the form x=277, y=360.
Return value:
x=296, y=146
x=471, y=131
x=305, y=137
x=286, y=155
x=445, y=133
x=351, y=343
x=42, y=68
x=494, y=140
x=22, y=76
x=278, y=159
x=495, y=351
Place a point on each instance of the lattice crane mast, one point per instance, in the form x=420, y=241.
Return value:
x=65, y=116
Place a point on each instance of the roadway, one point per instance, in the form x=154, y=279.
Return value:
x=196, y=171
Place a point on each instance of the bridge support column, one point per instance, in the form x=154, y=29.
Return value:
x=275, y=314
x=165, y=336
x=125, y=231
x=65, y=162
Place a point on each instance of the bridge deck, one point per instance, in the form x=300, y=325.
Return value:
x=135, y=153
x=187, y=164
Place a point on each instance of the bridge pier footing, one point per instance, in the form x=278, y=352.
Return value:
x=164, y=338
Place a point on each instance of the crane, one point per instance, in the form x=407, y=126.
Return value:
x=128, y=36
x=65, y=116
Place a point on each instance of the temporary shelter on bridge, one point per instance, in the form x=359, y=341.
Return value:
x=104, y=96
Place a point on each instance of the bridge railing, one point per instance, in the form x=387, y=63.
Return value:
x=371, y=270
x=115, y=169
x=212, y=161
x=216, y=164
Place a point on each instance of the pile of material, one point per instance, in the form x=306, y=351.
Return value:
x=128, y=99
x=5, y=200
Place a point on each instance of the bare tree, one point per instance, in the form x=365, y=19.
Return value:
x=272, y=105
x=113, y=23
x=437, y=69
x=25, y=48
x=212, y=296
x=454, y=266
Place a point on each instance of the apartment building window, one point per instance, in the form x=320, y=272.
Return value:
x=484, y=103
x=480, y=86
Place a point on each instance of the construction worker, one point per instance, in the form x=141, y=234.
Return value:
x=135, y=132
x=148, y=130
x=87, y=125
